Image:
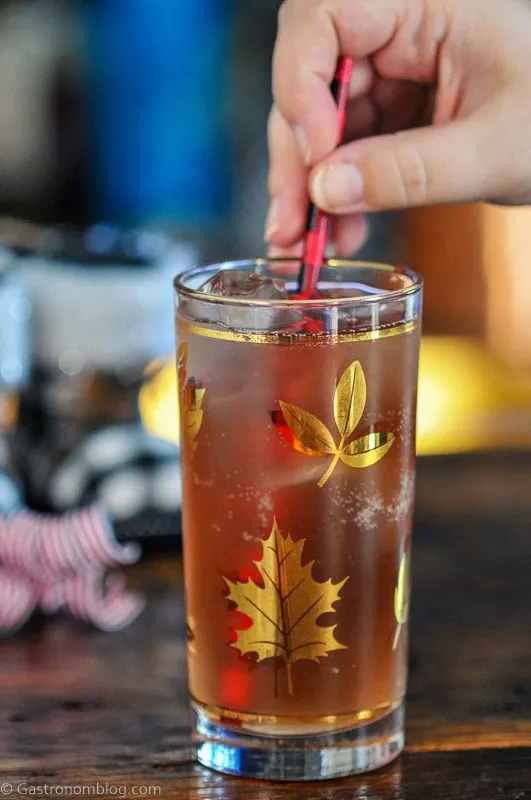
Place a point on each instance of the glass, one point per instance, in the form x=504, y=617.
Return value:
x=298, y=453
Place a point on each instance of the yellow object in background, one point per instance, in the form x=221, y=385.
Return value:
x=467, y=400
x=158, y=404
x=8, y=411
x=456, y=395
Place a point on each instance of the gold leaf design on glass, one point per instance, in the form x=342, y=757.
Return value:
x=284, y=610
x=307, y=434
x=367, y=450
x=349, y=399
x=401, y=599
x=190, y=636
x=182, y=364
x=310, y=435
x=191, y=396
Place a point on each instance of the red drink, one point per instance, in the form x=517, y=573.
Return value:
x=298, y=455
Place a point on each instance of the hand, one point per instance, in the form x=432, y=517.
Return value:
x=439, y=112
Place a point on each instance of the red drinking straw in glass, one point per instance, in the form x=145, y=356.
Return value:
x=318, y=223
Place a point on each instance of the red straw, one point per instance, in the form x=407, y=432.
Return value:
x=318, y=223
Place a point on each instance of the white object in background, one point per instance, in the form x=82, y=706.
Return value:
x=124, y=470
x=105, y=317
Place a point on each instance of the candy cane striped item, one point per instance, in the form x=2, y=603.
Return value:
x=59, y=562
x=17, y=601
x=46, y=546
x=95, y=539
x=18, y=547
x=91, y=598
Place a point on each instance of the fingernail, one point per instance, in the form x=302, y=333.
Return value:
x=337, y=186
x=302, y=142
x=272, y=222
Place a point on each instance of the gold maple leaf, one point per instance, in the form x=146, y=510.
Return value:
x=191, y=396
x=401, y=599
x=307, y=434
x=286, y=609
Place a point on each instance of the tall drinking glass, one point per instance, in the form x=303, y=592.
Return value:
x=298, y=453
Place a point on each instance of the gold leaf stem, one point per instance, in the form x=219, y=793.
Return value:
x=333, y=464
x=289, y=677
x=397, y=635
x=284, y=621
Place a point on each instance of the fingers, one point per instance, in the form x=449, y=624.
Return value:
x=290, y=251
x=288, y=182
x=288, y=185
x=476, y=53
x=362, y=78
x=349, y=234
x=288, y=176
x=311, y=34
x=441, y=164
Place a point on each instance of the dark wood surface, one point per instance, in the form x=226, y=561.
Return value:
x=81, y=707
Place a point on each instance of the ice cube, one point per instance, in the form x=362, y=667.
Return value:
x=244, y=285
x=240, y=283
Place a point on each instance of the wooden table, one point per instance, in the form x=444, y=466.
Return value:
x=93, y=709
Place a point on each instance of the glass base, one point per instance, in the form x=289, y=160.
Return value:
x=300, y=758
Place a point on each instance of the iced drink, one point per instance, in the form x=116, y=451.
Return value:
x=298, y=449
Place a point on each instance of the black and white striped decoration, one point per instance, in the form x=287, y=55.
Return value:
x=123, y=469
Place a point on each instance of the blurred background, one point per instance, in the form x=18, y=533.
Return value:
x=132, y=145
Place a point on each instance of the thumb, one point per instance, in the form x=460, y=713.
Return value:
x=437, y=164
